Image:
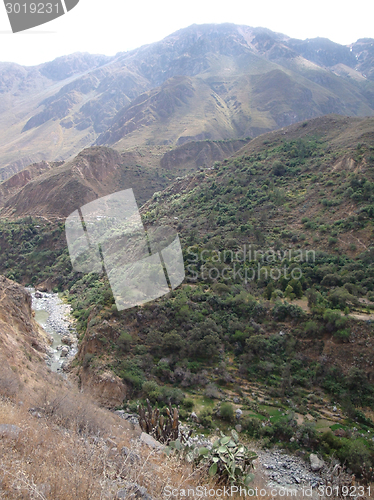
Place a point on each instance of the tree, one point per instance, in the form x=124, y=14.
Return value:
x=278, y=169
x=289, y=292
x=172, y=343
x=297, y=288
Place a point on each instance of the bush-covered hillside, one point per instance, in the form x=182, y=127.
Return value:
x=275, y=315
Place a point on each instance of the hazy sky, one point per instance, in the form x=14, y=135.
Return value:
x=111, y=26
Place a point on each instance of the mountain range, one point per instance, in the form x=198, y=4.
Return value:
x=233, y=137
x=214, y=82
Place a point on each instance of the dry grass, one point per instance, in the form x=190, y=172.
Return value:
x=70, y=449
x=70, y=453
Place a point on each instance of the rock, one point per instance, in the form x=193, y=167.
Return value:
x=133, y=490
x=238, y=413
x=38, y=295
x=236, y=400
x=315, y=463
x=64, y=352
x=151, y=442
x=194, y=417
x=110, y=442
x=36, y=412
x=67, y=339
x=238, y=428
x=65, y=366
x=9, y=431
x=340, y=433
x=130, y=456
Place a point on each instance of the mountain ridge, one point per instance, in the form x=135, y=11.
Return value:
x=52, y=111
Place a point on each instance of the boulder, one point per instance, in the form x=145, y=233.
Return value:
x=340, y=433
x=151, y=442
x=67, y=339
x=315, y=463
x=194, y=417
x=64, y=352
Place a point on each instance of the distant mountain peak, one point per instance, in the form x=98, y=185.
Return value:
x=237, y=80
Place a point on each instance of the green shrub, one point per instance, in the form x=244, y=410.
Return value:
x=205, y=418
x=151, y=390
x=227, y=411
x=355, y=453
x=188, y=404
x=251, y=425
x=332, y=240
x=334, y=319
x=278, y=169
x=312, y=328
x=171, y=395
x=342, y=335
x=124, y=341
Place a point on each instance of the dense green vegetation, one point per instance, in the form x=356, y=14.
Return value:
x=278, y=250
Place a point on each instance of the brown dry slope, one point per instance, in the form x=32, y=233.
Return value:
x=54, y=190
x=23, y=343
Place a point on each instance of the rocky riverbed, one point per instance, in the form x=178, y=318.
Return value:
x=54, y=316
x=286, y=470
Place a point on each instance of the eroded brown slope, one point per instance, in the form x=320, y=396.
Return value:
x=23, y=343
x=54, y=190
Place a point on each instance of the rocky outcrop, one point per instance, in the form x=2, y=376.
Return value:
x=22, y=341
x=15, y=183
x=105, y=387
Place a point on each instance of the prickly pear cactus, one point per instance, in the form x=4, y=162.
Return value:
x=229, y=461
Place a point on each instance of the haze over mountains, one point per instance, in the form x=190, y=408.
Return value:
x=203, y=82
